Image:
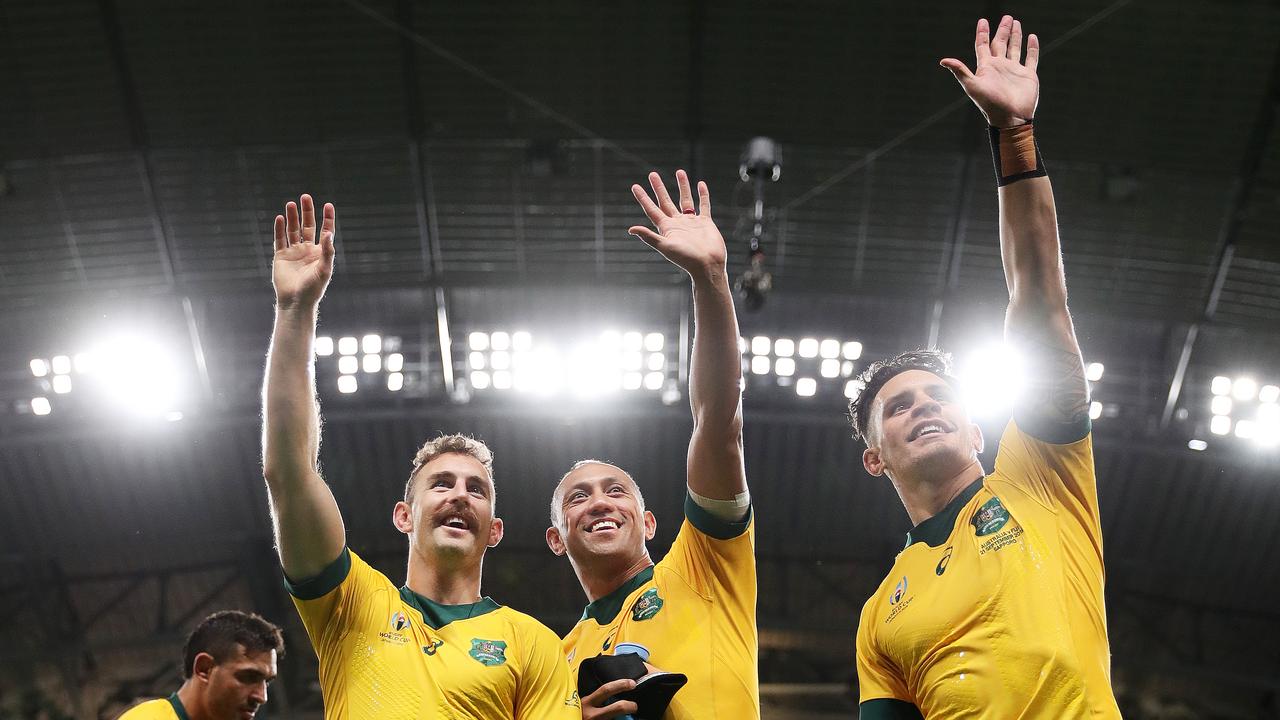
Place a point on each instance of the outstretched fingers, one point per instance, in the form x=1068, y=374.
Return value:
x=957, y=68
x=982, y=41
x=704, y=200
x=327, y=224
x=292, y=225
x=660, y=192
x=308, y=218
x=686, y=193
x=1000, y=43
x=652, y=211
x=1033, y=52
x=281, y=239
x=646, y=234
x=1015, y=42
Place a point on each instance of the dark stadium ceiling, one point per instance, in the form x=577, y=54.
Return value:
x=145, y=147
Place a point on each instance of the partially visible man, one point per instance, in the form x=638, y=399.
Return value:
x=432, y=647
x=227, y=662
x=695, y=611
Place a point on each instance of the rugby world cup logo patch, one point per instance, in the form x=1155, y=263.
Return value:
x=899, y=591
x=647, y=605
x=488, y=652
x=399, y=621
x=990, y=517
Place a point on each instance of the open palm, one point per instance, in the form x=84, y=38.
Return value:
x=687, y=237
x=303, y=261
x=1004, y=88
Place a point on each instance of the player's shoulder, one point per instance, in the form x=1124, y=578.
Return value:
x=527, y=625
x=158, y=709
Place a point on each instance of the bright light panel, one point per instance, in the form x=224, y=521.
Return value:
x=657, y=361
x=500, y=341
x=1221, y=405
x=852, y=388
x=852, y=350
x=760, y=364
x=760, y=345
x=479, y=380
x=41, y=406
x=476, y=360
x=371, y=344
x=992, y=379
x=633, y=342
x=348, y=364
x=500, y=360
x=1220, y=425
x=1221, y=385
x=743, y=345
x=395, y=381
x=632, y=360
x=61, y=364
x=395, y=362
x=808, y=347
x=372, y=363
x=653, y=342
x=1269, y=394
x=1269, y=414
x=521, y=341
x=478, y=341
x=653, y=381
x=1197, y=445
x=829, y=348
x=785, y=367
x=39, y=367
x=830, y=368
x=1242, y=389
x=806, y=387
x=501, y=380
x=83, y=362
x=137, y=373
x=324, y=346
x=1094, y=371
x=1246, y=430
x=632, y=381
x=347, y=383
x=1095, y=410
x=784, y=347
x=62, y=384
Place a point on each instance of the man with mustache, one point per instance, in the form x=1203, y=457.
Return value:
x=432, y=647
x=994, y=609
x=694, y=612
x=227, y=663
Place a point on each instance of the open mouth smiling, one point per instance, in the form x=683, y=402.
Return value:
x=931, y=427
x=603, y=524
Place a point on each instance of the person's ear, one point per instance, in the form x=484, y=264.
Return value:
x=554, y=541
x=495, y=532
x=650, y=525
x=402, y=517
x=872, y=461
x=203, y=666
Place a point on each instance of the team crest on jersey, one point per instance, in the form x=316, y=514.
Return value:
x=488, y=652
x=990, y=517
x=647, y=605
x=399, y=621
x=899, y=591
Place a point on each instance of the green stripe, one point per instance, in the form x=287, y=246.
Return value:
x=324, y=583
x=177, y=707
x=888, y=709
x=935, y=530
x=712, y=526
x=604, y=609
x=437, y=615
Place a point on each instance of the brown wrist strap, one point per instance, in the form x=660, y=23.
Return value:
x=1016, y=154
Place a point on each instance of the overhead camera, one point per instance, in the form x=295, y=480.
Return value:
x=760, y=163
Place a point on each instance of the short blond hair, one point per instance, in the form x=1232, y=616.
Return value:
x=434, y=448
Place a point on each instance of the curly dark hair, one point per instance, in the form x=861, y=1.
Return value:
x=881, y=371
x=219, y=634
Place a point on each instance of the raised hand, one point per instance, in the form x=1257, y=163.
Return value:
x=1003, y=88
x=303, y=261
x=686, y=236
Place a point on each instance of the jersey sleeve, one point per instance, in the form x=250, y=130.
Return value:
x=1059, y=476
x=336, y=600
x=150, y=710
x=547, y=690
x=717, y=558
x=878, y=677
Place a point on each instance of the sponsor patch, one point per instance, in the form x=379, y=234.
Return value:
x=488, y=652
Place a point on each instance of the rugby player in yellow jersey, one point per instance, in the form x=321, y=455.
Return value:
x=432, y=648
x=227, y=663
x=994, y=609
x=694, y=612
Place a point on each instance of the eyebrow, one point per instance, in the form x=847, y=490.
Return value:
x=932, y=389
x=451, y=475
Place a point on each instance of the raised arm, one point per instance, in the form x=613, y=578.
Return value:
x=308, y=526
x=1037, y=322
x=688, y=237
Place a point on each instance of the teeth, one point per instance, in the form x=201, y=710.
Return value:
x=604, y=525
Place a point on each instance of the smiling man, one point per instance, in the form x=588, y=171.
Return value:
x=227, y=663
x=432, y=647
x=994, y=609
x=694, y=612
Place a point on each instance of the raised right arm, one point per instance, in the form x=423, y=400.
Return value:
x=308, y=527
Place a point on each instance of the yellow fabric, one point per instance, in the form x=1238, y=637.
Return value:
x=705, y=627
x=379, y=659
x=1005, y=624
x=159, y=709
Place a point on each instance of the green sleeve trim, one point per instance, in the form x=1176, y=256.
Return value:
x=1054, y=433
x=324, y=583
x=710, y=525
x=178, y=709
x=888, y=709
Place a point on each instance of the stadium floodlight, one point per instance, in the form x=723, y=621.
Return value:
x=632, y=360
x=83, y=362
x=395, y=362
x=808, y=347
x=743, y=345
x=1246, y=430
x=852, y=388
x=1095, y=410
x=830, y=368
x=670, y=392
x=500, y=360
x=479, y=379
x=760, y=364
x=1220, y=425
x=476, y=360
x=348, y=364
x=539, y=371
x=521, y=341
x=1269, y=394
x=324, y=346
x=347, y=384
x=632, y=381
x=478, y=341
x=39, y=368
x=348, y=346
x=846, y=368
x=500, y=340
x=852, y=350
x=371, y=363
x=1094, y=371
x=633, y=342
x=653, y=342
x=371, y=344
x=784, y=347
x=1244, y=388
x=785, y=367
x=173, y=416
x=137, y=373
x=395, y=381
x=1197, y=445
x=760, y=345
x=1269, y=414
x=502, y=380
x=62, y=384
x=41, y=406
x=806, y=387
x=1221, y=405
x=1221, y=385
x=653, y=381
x=829, y=348
x=657, y=361
x=61, y=365
x=992, y=379
x=591, y=370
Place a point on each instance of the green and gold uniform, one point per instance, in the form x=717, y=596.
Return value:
x=169, y=708
x=389, y=653
x=995, y=607
x=694, y=612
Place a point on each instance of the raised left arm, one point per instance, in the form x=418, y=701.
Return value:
x=688, y=237
x=1037, y=322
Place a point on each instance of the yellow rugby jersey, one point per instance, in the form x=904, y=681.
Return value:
x=169, y=708
x=995, y=607
x=387, y=652
x=695, y=613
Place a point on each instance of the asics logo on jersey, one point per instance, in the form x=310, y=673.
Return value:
x=433, y=647
x=942, y=564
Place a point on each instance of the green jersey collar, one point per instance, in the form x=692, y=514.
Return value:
x=603, y=610
x=436, y=615
x=935, y=530
x=178, y=708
